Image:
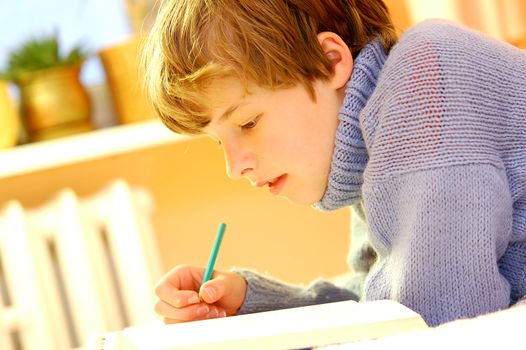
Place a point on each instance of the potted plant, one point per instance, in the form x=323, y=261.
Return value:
x=53, y=101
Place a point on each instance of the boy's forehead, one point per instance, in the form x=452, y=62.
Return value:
x=228, y=85
x=226, y=92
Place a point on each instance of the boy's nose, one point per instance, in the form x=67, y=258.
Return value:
x=239, y=163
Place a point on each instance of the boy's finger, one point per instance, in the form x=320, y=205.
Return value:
x=215, y=312
x=176, y=298
x=189, y=313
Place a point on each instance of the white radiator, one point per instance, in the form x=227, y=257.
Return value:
x=76, y=267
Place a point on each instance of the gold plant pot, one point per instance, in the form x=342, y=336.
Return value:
x=120, y=63
x=54, y=103
x=9, y=118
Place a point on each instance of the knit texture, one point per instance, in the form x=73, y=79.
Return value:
x=432, y=140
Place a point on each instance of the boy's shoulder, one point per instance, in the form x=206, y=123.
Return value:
x=424, y=40
x=426, y=46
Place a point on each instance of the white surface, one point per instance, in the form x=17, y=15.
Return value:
x=281, y=329
x=499, y=330
x=83, y=147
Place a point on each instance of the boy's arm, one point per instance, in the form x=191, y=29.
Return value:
x=265, y=293
x=440, y=235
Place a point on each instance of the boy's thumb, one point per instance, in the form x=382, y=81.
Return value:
x=211, y=292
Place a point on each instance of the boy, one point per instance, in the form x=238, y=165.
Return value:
x=314, y=100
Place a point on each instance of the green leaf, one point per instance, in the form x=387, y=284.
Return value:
x=40, y=53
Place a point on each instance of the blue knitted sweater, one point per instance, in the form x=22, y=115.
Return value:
x=432, y=142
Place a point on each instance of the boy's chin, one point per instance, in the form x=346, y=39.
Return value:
x=301, y=202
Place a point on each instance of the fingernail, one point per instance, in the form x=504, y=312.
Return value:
x=202, y=310
x=222, y=313
x=194, y=299
x=210, y=293
x=213, y=313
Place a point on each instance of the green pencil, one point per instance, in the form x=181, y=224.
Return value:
x=213, y=255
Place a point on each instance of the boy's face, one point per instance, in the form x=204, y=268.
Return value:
x=279, y=139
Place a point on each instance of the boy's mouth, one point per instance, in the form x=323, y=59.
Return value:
x=276, y=185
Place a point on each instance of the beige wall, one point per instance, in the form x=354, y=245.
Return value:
x=505, y=20
x=192, y=195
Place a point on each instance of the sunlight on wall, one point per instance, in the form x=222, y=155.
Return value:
x=503, y=19
x=514, y=19
x=420, y=10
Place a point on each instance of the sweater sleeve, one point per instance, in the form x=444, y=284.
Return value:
x=439, y=235
x=265, y=293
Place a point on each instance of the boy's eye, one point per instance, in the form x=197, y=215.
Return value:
x=251, y=123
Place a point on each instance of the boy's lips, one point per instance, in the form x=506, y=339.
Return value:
x=275, y=185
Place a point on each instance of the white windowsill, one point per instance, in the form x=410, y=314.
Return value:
x=82, y=147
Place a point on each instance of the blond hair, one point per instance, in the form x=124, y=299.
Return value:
x=270, y=43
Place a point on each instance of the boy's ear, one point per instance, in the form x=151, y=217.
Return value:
x=340, y=56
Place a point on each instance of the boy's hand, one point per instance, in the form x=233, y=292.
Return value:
x=182, y=299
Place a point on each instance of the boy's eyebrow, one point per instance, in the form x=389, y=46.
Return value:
x=230, y=110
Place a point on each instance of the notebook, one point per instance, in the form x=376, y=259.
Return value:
x=294, y=328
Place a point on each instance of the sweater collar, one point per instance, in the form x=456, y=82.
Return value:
x=350, y=154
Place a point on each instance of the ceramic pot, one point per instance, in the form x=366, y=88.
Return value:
x=54, y=103
x=122, y=72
